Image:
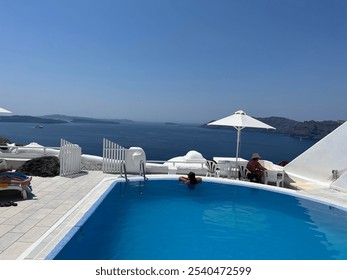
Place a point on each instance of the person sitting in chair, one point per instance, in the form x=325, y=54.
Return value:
x=256, y=169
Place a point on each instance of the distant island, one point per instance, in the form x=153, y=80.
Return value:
x=57, y=119
x=314, y=130
x=77, y=119
x=171, y=123
x=29, y=119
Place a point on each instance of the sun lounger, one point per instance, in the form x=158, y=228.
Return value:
x=24, y=188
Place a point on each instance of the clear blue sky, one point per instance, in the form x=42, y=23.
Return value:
x=174, y=60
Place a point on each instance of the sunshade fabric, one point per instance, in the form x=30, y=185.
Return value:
x=2, y=110
x=240, y=119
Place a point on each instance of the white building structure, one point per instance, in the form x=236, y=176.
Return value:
x=323, y=165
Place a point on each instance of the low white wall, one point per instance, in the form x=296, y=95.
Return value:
x=90, y=159
x=34, y=148
x=156, y=168
x=193, y=161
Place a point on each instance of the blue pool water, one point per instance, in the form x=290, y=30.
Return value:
x=165, y=220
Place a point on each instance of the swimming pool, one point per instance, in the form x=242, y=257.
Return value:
x=165, y=220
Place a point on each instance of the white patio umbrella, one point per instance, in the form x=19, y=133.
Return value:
x=2, y=110
x=240, y=120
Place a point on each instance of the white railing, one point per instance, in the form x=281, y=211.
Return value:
x=70, y=158
x=113, y=157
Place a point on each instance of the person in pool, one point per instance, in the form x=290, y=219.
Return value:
x=191, y=179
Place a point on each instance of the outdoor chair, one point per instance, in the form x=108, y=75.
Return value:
x=212, y=168
x=274, y=176
x=244, y=173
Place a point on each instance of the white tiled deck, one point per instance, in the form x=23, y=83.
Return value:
x=34, y=227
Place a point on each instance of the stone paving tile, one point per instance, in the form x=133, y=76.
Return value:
x=33, y=234
x=41, y=213
x=13, y=251
x=49, y=221
x=5, y=229
x=8, y=239
x=8, y=212
x=25, y=226
x=17, y=218
x=31, y=209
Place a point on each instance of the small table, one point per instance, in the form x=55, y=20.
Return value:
x=228, y=166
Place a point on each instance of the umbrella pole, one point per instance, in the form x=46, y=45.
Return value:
x=237, y=150
x=238, y=143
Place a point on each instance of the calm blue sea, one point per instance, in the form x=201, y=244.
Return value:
x=160, y=141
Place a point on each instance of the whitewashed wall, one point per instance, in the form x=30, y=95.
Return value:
x=316, y=164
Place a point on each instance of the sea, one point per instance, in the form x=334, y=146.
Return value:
x=160, y=141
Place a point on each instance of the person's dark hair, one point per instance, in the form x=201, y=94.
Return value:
x=192, y=178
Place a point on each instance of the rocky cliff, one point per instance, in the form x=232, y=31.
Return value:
x=28, y=119
x=314, y=130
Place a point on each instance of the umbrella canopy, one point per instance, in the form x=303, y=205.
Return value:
x=2, y=110
x=240, y=120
